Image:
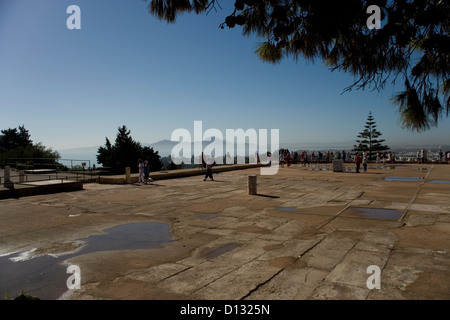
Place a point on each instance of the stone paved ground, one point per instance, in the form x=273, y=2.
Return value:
x=299, y=238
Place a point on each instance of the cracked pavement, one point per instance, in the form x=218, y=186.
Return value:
x=300, y=238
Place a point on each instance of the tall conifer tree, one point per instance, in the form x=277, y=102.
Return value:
x=369, y=138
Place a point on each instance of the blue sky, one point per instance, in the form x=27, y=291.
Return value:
x=73, y=88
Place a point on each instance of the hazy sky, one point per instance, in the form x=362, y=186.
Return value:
x=73, y=88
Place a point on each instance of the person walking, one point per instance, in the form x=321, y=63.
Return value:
x=288, y=160
x=281, y=159
x=146, y=172
x=365, y=162
x=208, y=170
x=357, y=161
x=141, y=171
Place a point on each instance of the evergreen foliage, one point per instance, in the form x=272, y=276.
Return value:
x=125, y=153
x=412, y=43
x=16, y=144
x=369, y=139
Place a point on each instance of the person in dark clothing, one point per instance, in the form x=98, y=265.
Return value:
x=357, y=161
x=208, y=171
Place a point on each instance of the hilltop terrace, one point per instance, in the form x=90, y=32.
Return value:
x=308, y=233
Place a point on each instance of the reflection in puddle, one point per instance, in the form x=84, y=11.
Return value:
x=398, y=167
x=402, y=179
x=45, y=276
x=440, y=181
x=317, y=168
x=374, y=213
x=129, y=237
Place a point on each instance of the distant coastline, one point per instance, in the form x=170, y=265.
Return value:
x=75, y=156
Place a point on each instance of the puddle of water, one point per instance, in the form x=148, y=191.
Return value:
x=208, y=216
x=374, y=213
x=440, y=181
x=45, y=276
x=317, y=169
x=288, y=209
x=221, y=250
x=408, y=179
x=397, y=167
x=129, y=237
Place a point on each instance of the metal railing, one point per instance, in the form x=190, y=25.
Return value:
x=25, y=170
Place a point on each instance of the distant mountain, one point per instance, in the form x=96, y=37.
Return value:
x=309, y=146
x=164, y=147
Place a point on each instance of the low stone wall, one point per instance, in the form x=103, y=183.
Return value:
x=23, y=190
x=180, y=173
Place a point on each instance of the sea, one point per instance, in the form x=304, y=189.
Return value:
x=87, y=156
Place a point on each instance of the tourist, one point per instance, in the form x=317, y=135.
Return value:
x=418, y=156
x=208, y=170
x=146, y=171
x=288, y=159
x=422, y=156
x=305, y=158
x=141, y=171
x=344, y=155
x=365, y=162
x=378, y=157
x=357, y=161
x=281, y=159
x=328, y=157
x=349, y=157
x=441, y=156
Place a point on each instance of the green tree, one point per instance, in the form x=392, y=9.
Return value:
x=125, y=153
x=411, y=45
x=14, y=138
x=369, y=138
x=16, y=144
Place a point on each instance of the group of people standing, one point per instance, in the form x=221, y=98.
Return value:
x=361, y=158
x=385, y=156
x=287, y=157
x=422, y=156
x=144, y=171
x=444, y=156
